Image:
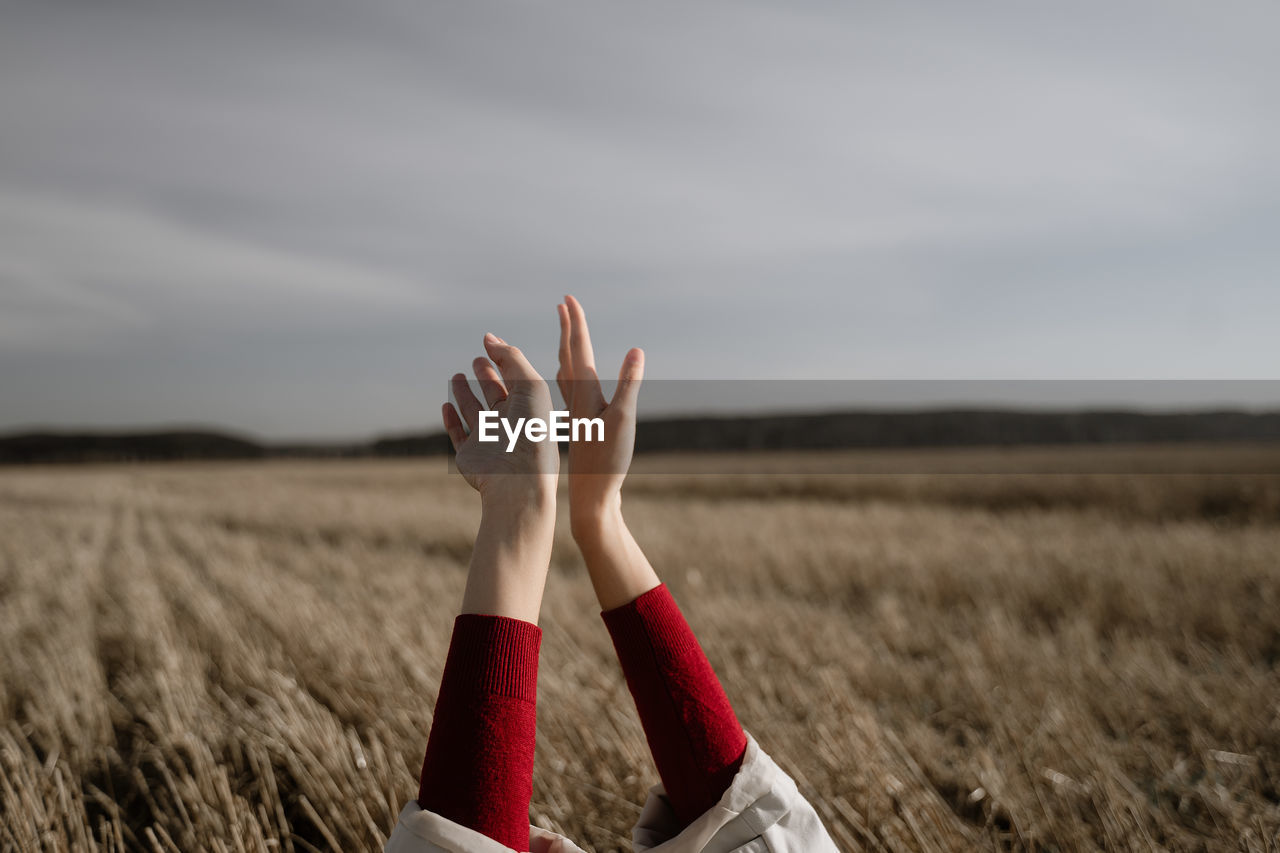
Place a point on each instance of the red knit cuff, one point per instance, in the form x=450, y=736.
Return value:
x=493, y=655
x=652, y=621
x=478, y=768
x=693, y=733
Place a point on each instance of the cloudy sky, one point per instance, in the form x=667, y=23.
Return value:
x=297, y=218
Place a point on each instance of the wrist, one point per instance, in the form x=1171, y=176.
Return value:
x=619, y=570
x=523, y=497
x=512, y=551
x=591, y=521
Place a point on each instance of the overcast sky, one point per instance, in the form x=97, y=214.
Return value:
x=298, y=218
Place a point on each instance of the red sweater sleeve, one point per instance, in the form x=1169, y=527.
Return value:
x=693, y=733
x=478, y=769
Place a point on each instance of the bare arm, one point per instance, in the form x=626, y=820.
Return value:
x=517, y=490
x=478, y=766
x=619, y=570
x=693, y=733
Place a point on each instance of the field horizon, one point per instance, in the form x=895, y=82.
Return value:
x=245, y=655
x=944, y=427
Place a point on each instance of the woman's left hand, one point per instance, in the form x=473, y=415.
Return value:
x=513, y=391
x=517, y=486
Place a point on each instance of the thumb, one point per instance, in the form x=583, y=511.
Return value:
x=629, y=377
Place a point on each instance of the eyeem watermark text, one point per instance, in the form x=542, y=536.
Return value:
x=558, y=428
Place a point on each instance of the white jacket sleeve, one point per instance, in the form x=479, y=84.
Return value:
x=421, y=831
x=762, y=812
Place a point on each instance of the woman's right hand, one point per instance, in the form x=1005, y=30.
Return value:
x=597, y=469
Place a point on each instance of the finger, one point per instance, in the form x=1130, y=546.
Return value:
x=564, y=376
x=583, y=360
x=490, y=383
x=453, y=426
x=511, y=362
x=566, y=349
x=566, y=388
x=468, y=405
x=629, y=377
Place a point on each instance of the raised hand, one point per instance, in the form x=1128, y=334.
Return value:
x=514, y=390
x=597, y=468
x=517, y=487
x=618, y=568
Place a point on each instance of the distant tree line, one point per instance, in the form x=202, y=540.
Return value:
x=44, y=447
x=868, y=429
x=951, y=428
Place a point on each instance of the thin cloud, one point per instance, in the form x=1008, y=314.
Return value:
x=80, y=271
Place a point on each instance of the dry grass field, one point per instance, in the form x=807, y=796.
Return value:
x=245, y=657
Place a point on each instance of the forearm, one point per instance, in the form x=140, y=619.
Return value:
x=693, y=733
x=478, y=767
x=694, y=736
x=512, y=551
x=620, y=573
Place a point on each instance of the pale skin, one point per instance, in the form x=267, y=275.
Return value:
x=518, y=489
x=619, y=570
